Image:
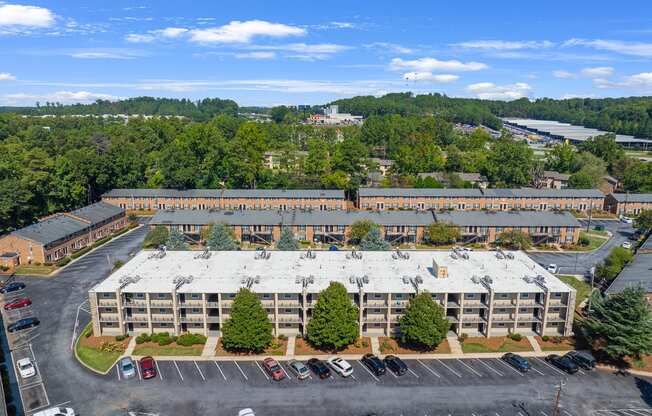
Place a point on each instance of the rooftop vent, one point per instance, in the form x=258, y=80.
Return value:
x=262, y=254
x=158, y=254
x=309, y=255
x=398, y=254
x=181, y=280
x=475, y=279
x=354, y=255
x=125, y=280
x=205, y=255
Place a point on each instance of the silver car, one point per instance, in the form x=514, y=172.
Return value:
x=298, y=368
x=127, y=367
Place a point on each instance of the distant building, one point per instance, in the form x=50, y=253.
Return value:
x=627, y=204
x=445, y=178
x=333, y=117
x=555, y=180
x=609, y=184
x=272, y=159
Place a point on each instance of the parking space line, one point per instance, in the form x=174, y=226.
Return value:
x=534, y=369
x=413, y=373
x=241, y=372
x=510, y=367
x=429, y=369
x=140, y=377
x=450, y=369
x=367, y=370
x=581, y=372
x=567, y=413
x=469, y=367
x=200, y=373
x=637, y=412
x=117, y=370
x=489, y=367
x=221, y=372
x=353, y=377
x=262, y=371
x=391, y=372
x=548, y=365
x=158, y=370
x=543, y=413
x=178, y=370
x=286, y=373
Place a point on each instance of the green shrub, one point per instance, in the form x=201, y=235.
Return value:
x=165, y=341
x=37, y=263
x=143, y=338
x=462, y=338
x=63, y=261
x=81, y=252
x=545, y=338
x=121, y=337
x=100, y=242
x=584, y=240
x=516, y=337
x=88, y=333
x=283, y=337
x=189, y=339
x=4, y=268
x=117, y=264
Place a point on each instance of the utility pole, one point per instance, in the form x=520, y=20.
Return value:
x=557, y=409
x=592, y=272
x=588, y=225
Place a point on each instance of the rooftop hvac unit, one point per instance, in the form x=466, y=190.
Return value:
x=419, y=279
x=475, y=279
x=243, y=281
x=311, y=279
x=365, y=279
x=406, y=280
x=351, y=279
x=454, y=256
x=500, y=255
x=510, y=256
x=297, y=280
x=257, y=279
x=488, y=279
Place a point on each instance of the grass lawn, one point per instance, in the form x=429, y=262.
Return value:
x=495, y=344
x=595, y=241
x=153, y=349
x=32, y=270
x=88, y=350
x=393, y=346
x=583, y=288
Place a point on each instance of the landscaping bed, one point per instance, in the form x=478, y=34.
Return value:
x=361, y=347
x=393, y=346
x=154, y=349
x=644, y=364
x=595, y=241
x=278, y=347
x=99, y=353
x=34, y=270
x=557, y=343
x=495, y=344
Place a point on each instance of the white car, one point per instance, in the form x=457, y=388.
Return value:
x=627, y=245
x=56, y=411
x=26, y=368
x=340, y=366
x=552, y=268
x=626, y=220
x=246, y=412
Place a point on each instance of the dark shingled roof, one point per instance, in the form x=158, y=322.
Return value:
x=636, y=273
x=492, y=193
x=226, y=193
x=52, y=229
x=98, y=212
x=509, y=218
x=542, y=193
x=420, y=192
x=622, y=197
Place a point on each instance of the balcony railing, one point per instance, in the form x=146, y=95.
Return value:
x=375, y=304
x=213, y=319
x=451, y=304
x=399, y=303
x=289, y=303
x=376, y=318
x=556, y=302
x=212, y=304
x=162, y=318
x=128, y=303
x=107, y=302
x=108, y=318
x=136, y=318
x=192, y=318
x=289, y=319
x=469, y=303
x=505, y=302
x=161, y=302
x=473, y=318
x=503, y=318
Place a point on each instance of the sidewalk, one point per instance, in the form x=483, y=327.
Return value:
x=209, y=347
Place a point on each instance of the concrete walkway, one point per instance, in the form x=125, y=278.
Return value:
x=375, y=345
x=209, y=347
x=291, y=342
x=456, y=347
x=535, y=345
x=130, y=347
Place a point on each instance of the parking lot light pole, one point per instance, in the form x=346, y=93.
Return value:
x=557, y=410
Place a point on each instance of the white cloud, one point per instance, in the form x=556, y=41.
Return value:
x=27, y=16
x=6, y=76
x=140, y=38
x=560, y=73
x=598, y=72
x=106, y=53
x=171, y=32
x=432, y=64
x=243, y=32
x=304, y=51
x=491, y=91
x=152, y=35
x=256, y=55
x=429, y=76
x=618, y=46
x=504, y=45
x=639, y=82
x=65, y=97
x=386, y=47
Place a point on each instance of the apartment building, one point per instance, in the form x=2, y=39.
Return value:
x=636, y=273
x=482, y=293
x=62, y=234
x=240, y=199
x=476, y=199
x=554, y=180
x=627, y=204
x=264, y=227
x=446, y=178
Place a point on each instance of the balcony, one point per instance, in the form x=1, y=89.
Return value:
x=450, y=304
x=136, y=318
x=452, y=319
x=212, y=304
x=191, y=304
x=375, y=304
x=473, y=318
x=161, y=302
x=107, y=302
x=267, y=303
x=213, y=319
x=289, y=304
x=289, y=319
x=394, y=318
x=227, y=303
x=556, y=302
x=529, y=302
x=529, y=318
x=470, y=303
x=374, y=319
x=130, y=303
x=556, y=318
x=505, y=302
x=109, y=318
x=191, y=318
x=162, y=318
x=399, y=303
x=503, y=317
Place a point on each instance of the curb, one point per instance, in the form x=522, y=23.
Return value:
x=626, y=370
x=102, y=373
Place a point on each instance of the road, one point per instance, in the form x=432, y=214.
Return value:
x=581, y=263
x=433, y=387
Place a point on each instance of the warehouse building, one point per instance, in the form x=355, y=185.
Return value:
x=264, y=227
x=482, y=293
x=156, y=199
x=60, y=235
x=476, y=199
x=627, y=204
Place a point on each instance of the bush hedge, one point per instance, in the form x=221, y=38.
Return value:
x=516, y=337
x=63, y=261
x=189, y=339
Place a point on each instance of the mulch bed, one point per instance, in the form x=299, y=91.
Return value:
x=392, y=346
x=282, y=348
x=302, y=347
x=566, y=344
x=500, y=344
x=645, y=364
x=96, y=342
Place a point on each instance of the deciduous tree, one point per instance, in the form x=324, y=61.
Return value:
x=424, y=323
x=443, y=233
x=334, y=322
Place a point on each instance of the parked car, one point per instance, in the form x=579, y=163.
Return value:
x=147, y=367
x=273, y=369
x=627, y=245
x=26, y=368
x=582, y=359
x=626, y=220
x=396, y=365
x=12, y=287
x=56, y=411
x=24, y=323
x=17, y=304
x=374, y=364
x=552, y=268
x=298, y=368
x=516, y=361
x=319, y=368
x=340, y=366
x=246, y=412
x=563, y=363
x=127, y=368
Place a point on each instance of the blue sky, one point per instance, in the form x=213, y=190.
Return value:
x=284, y=52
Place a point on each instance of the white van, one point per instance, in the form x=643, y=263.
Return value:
x=56, y=411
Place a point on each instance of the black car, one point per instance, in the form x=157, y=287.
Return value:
x=582, y=359
x=374, y=364
x=395, y=364
x=516, y=361
x=23, y=324
x=12, y=287
x=563, y=363
x=319, y=367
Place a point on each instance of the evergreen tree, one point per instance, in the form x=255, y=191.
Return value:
x=424, y=323
x=221, y=239
x=156, y=237
x=176, y=241
x=287, y=242
x=248, y=328
x=374, y=241
x=620, y=325
x=334, y=322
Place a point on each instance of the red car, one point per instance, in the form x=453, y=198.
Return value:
x=17, y=304
x=273, y=369
x=147, y=367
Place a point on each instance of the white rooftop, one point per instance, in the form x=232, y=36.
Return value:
x=224, y=272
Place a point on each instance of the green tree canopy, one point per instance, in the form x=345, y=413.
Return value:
x=443, y=233
x=360, y=229
x=614, y=263
x=221, y=239
x=156, y=237
x=248, y=328
x=374, y=241
x=644, y=221
x=620, y=325
x=582, y=180
x=424, y=323
x=510, y=162
x=287, y=241
x=514, y=239
x=334, y=322
x=176, y=241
